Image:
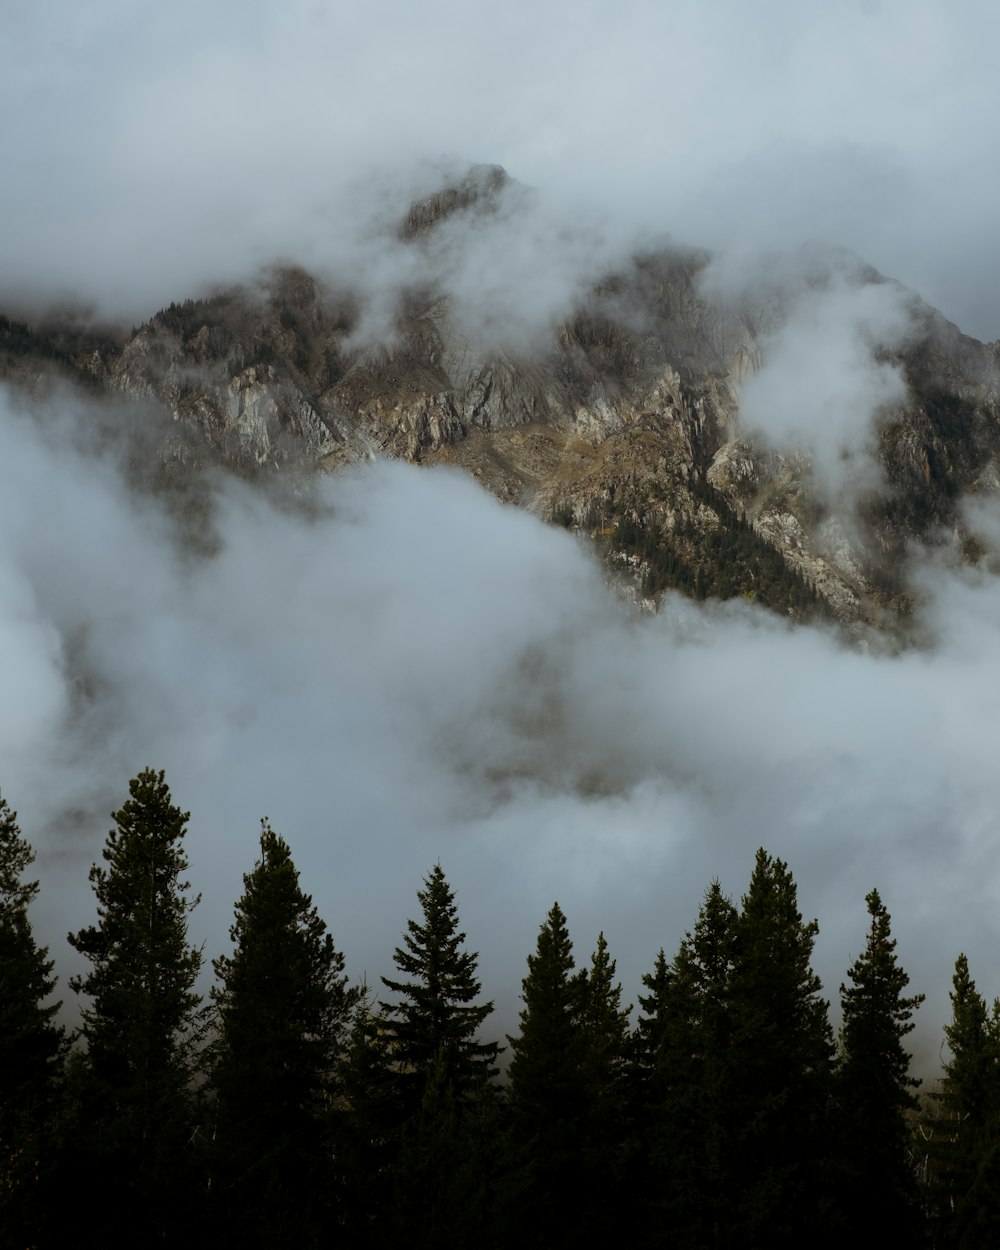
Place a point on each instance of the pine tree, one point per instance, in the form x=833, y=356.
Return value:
x=144, y=1022
x=436, y=1019
x=283, y=1015
x=32, y=1045
x=875, y=1088
x=966, y=1155
x=782, y=1051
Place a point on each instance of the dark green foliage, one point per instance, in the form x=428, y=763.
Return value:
x=436, y=1019
x=143, y=1024
x=283, y=1016
x=31, y=1046
x=720, y=561
x=782, y=1051
x=188, y=318
x=686, y=1080
x=449, y=1173
x=261, y=354
x=604, y=1024
x=548, y=1089
x=371, y=1126
x=545, y=1067
x=603, y=1126
x=965, y=1157
x=875, y=1088
x=65, y=346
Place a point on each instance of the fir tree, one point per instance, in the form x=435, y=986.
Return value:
x=548, y=1088
x=605, y=1050
x=687, y=1080
x=144, y=1023
x=875, y=1088
x=782, y=1051
x=436, y=1019
x=546, y=1064
x=283, y=1015
x=32, y=1045
x=966, y=1154
x=604, y=1025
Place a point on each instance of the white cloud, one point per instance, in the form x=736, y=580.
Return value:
x=157, y=149
x=422, y=673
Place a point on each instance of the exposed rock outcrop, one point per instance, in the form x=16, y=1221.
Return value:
x=624, y=424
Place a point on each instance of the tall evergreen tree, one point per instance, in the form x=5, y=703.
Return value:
x=966, y=1154
x=546, y=1056
x=875, y=1089
x=604, y=1023
x=693, y=1081
x=32, y=1045
x=605, y=1051
x=144, y=1023
x=283, y=1015
x=436, y=1019
x=782, y=1050
x=548, y=1090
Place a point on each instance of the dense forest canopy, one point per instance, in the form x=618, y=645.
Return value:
x=294, y=1106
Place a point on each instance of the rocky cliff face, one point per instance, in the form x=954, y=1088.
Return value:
x=623, y=424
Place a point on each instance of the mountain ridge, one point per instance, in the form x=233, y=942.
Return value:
x=625, y=423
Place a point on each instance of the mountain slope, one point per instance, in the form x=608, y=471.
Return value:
x=623, y=423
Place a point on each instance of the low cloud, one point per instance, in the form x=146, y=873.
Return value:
x=159, y=150
x=419, y=673
x=826, y=383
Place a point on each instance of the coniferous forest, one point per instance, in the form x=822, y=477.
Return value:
x=295, y=1108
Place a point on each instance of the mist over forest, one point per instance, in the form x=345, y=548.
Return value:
x=394, y=667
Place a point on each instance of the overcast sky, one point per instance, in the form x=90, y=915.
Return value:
x=426, y=674
x=150, y=147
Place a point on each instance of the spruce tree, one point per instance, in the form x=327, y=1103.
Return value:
x=782, y=1054
x=604, y=1025
x=876, y=1090
x=605, y=1052
x=436, y=1020
x=283, y=1013
x=144, y=1023
x=548, y=1088
x=546, y=1079
x=699, y=1081
x=966, y=1147
x=32, y=1045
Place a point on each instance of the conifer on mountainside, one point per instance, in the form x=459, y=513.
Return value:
x=874, y=1087
x=143, y=1023
x=32, y=1045
x=685, y=1043
x=782, y=1050
x=548, y=1088
x=965, y=1147
x=283, y=1016
x=435, y=1019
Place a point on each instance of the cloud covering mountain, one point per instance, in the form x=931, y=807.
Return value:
x=157, y=148
x=405, y=670
x=413, y=672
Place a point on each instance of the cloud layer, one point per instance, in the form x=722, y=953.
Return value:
x=158, y=148
x=416, y=672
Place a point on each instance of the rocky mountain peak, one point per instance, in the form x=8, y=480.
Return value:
x=625, y=424
x=480, y=190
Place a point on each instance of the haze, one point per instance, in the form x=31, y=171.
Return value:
x=418, y=673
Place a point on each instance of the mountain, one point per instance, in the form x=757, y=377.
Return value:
x=623, y=422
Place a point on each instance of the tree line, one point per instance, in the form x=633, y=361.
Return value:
x=297, y=1109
